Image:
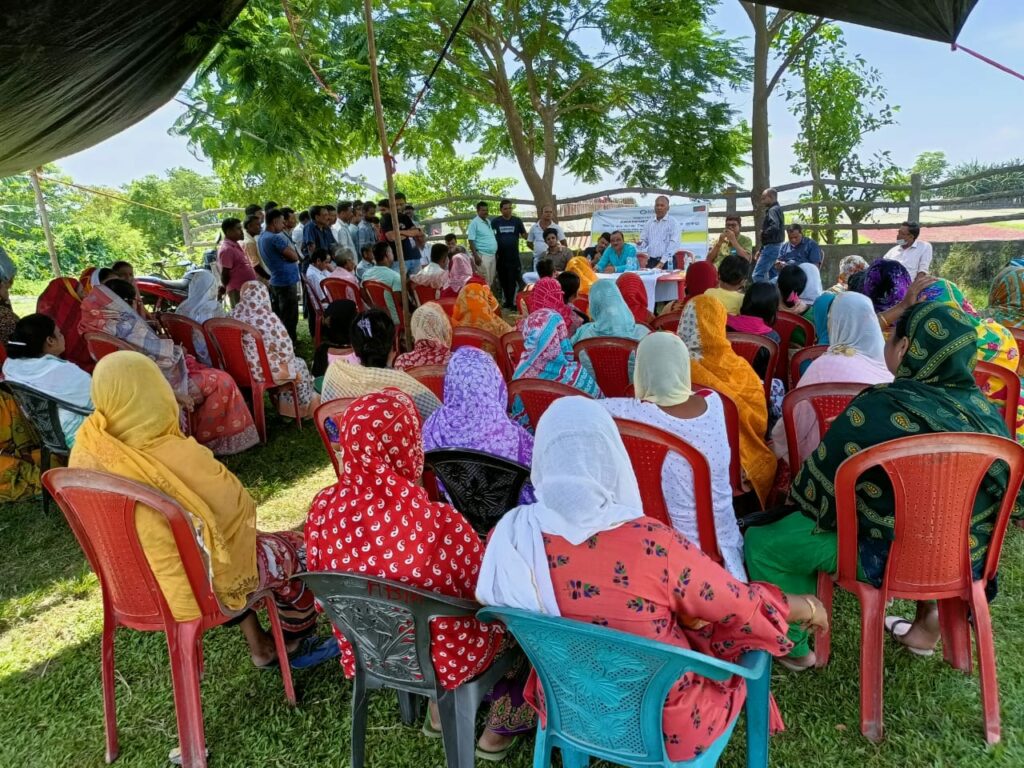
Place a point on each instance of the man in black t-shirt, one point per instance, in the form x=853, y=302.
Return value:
x=508, y=231
x=408, y=231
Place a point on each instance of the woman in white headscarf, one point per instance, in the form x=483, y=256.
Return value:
x=813, y=289
x=201, y=305
x=855, y=355
x=665, y=399
x=586, y=552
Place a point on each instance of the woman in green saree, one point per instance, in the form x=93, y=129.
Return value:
x=931, y=352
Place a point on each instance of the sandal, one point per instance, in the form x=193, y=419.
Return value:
x=792, y=665
x=429, y=730
x=498, y=755
x=894, y=626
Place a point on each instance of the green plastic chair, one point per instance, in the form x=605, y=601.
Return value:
x=388, y=626
x=604, y=691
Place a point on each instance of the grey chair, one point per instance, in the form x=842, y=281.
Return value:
x=388, y=627
x=481, y=486
x=42, y=410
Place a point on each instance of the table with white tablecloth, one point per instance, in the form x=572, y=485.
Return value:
x=661, y=286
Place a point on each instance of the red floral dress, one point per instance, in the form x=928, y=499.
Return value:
x=377, y=522
x=648, y=580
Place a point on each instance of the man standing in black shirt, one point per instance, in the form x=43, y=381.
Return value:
x=508, y=231
x=407, y=231
x=773, y=232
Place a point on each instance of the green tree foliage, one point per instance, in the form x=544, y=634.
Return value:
x=931, y=165
x=551, y=83
x=1009, y=185
x=181, y=190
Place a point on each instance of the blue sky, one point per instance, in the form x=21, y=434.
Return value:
x=948, y=101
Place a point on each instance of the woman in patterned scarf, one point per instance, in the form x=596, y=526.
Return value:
x=432, y=338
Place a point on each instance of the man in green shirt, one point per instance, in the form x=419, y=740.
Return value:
x=731, y=242
x=482, y=243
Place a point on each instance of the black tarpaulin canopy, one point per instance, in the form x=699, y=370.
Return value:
x=74, y=73
x=939, y=20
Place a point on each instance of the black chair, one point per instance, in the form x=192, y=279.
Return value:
x=388, y=627
x=41, y=410
x=481, y=486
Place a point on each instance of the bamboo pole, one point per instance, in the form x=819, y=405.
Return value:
x=45, y=221
x=378, y=109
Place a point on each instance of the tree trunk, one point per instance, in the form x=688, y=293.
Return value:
x=760, y=166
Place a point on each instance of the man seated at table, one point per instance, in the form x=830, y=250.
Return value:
x=617, y=256
x=798, y=249
x=659, y=239
x=731, y=242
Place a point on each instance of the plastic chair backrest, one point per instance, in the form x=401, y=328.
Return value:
x=475, y=337
x=101, y=510
x=537, y=394
x=226, y=335
x=523, y=303
x=732, y=431
x=101, y=344
x=667, y=322
x=430, y=376
x=481, y=486
x=802, y=356
x=648, y=448
x=41, y=410
x=984, y=374
x=747, y=345
x=513, y=346
x=827, y=400
x=448, y=303
x=1018, y=336
x=387, y=624
x=424, y=293
x=609, y=360
x=935, y=479
x=382, y=297
x=182, y=331
x=604, y=690
x=332, y=410
x=785, y=324
x=336, y=289
x=582, y=303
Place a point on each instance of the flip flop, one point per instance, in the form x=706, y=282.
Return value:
x=175, y=756
x=429, y=730
x=499, y=755
x=791, y=665
x=894, y=626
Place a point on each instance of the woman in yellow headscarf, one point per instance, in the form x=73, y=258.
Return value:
x=134, y=433
x=714, y=364
x=476, y=307
x=580, y=267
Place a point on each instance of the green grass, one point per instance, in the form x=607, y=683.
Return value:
x=51, y=704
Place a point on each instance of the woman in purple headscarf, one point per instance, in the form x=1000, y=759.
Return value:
x=474, y=413
x=886, y=283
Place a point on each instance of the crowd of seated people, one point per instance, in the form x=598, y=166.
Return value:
x=580, y=544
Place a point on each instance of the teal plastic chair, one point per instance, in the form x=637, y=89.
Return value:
x=604, y=691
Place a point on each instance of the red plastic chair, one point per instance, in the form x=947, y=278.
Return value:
x=227, y=335
x=935, y=478
x=609, y=360
x=747, y=345
x=448, y=303
x=513, y=347
x=336, y=289
x=102, y=344
x=424, y=293
x=785, y=324
x=667, y=322
x=648, y=448
x=315, y=306
x=537, y=394
x=332, y=410
x=379, y=294
x=430, y=376
x=986, y=372
x=475, y=337
x=582, y=303
x=732, y=431
x=182, y=331
x=827, y=401
x=100, y=509
x=523, y=303
x=805, y=355
x=1018, y=336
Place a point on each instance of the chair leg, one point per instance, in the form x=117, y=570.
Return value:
x=871, y=648
x=281, y=648
x=408, y=706
x=109, y=692
x=258, y=413
x=541, y=750
x=359, y=705
x=823, y=637
x=44, y=456
x=295, y=400
x=182, y=643
x=573, y=759
x=758, y=707
x=986, y=662
x=458, y=728
x=956, y=633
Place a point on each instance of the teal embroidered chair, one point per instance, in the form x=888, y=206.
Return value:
x=604, y=691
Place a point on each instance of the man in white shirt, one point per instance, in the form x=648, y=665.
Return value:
x=535, y=239
x=912, y=253
x=319, y=268
x=659, y=239
x=342, y=233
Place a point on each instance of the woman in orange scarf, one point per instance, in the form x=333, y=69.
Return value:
x=714, y=364
x=476, y=307
x=580, y=267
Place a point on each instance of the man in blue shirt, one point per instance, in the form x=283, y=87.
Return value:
x=617, y=256
x=482, y=243
x=508, y=231
x=317, y=234
x=799, y=249
x=282, y=262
